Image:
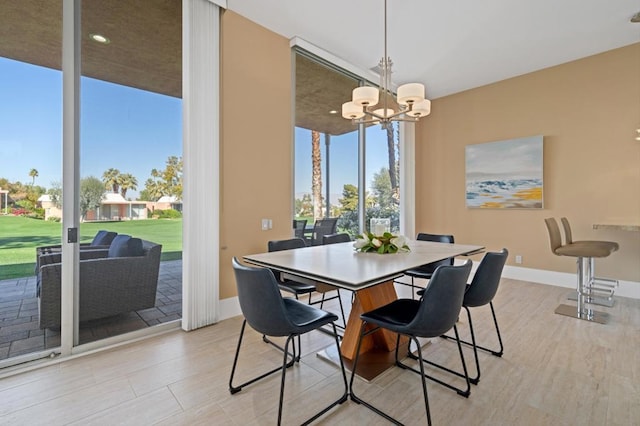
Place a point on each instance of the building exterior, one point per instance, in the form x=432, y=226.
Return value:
x=114, y=207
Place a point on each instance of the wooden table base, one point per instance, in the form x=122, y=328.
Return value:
x=377, y=352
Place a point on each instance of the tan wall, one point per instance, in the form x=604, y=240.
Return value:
x=256, y=141
x=588, y=111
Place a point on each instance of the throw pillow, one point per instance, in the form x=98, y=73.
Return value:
x=119, y=246
x=135, y=247
x=103, y=238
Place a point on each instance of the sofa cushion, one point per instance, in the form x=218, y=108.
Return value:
x=135, y=247
x=119, y=246
x=103, y=238
x=125, y=246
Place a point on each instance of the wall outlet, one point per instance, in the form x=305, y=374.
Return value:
x=518, y=258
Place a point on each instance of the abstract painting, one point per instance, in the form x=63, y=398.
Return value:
x=505, y=174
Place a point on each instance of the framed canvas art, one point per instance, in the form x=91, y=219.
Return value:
x=505, y=174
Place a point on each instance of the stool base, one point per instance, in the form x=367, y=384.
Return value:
x=585, y=314
x=594, y=300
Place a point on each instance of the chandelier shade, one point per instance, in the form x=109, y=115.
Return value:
x=365, y=96
x=410, y=93
x=372, y=105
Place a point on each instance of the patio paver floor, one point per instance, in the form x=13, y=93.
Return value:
x=20, y=333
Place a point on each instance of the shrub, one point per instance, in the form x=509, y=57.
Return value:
x=37, y=213
x=167, y=214
x=54, y=219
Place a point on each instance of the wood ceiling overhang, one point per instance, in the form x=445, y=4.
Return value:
x=145, y=49
x=145, y=52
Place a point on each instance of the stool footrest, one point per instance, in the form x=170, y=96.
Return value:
x=593, y=300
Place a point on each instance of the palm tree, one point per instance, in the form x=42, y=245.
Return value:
x=111, y=179
x=393, y=170
x=34, y=174
x=316, y=174
x=127, y=181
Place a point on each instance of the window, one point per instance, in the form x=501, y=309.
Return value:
x=328, y=148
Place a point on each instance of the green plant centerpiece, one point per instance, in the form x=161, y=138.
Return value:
x=386, y=243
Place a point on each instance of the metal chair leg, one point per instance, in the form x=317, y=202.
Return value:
x=354, y=397
x=497, y=353
x=465, y=375
x=235, y=389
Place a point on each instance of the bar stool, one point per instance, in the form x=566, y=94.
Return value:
x=585, y=252
x=600, y=290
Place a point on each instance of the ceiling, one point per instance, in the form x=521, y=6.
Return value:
x=146, y=40
x=452, y=46
x=448, y=46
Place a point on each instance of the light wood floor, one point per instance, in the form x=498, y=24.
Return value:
x=555, y=371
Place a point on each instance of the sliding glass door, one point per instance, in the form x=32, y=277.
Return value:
x=130, y=167
x=30, y=174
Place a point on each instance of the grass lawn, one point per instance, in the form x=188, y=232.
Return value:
x=19, y=236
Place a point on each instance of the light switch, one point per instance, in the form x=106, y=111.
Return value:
x=265, y=224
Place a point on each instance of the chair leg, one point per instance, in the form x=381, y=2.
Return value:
x=354, y=397
x=423, y=378
x=344, y=395
x=344, y=318
x=284, y=372
x=235, y=389
x=462, y=392
x=295, y=354
x=497, y=353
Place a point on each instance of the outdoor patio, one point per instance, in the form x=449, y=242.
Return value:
x=20, y=333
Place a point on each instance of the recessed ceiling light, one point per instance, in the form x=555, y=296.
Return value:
x=333, y=111
x=99, y=38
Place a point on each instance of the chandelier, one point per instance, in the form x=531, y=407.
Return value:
x=372, y=105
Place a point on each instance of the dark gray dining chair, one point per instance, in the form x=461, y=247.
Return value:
x=324, y=288
x=290, y=286
x=481, y=292
x=426, y=271
x=432, y=316
x=267, y=312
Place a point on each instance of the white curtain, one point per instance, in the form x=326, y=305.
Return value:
x=200, y=102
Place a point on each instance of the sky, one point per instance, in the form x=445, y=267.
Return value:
x=128, y=129
x=131, y=130
x=343, y=159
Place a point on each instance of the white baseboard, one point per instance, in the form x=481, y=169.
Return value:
x=231, y=308
x=563, y=279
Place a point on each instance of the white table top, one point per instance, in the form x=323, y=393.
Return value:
x=342, y=266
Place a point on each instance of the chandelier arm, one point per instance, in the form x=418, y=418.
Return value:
x=388, y=117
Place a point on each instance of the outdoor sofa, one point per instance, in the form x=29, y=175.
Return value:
x=113, y=281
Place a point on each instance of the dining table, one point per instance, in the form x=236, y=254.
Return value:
x=370, y=276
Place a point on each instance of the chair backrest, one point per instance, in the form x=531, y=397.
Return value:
x=260, y=300
x=568, y=238
x=298, y=226
x=442, y=300
x=438, y=239
x=291, y=243
x=336, y=238
x=323, y=227
x=555, y=239
x=484, y=285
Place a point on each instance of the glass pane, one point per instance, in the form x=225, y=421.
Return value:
x=325, y=188
x=30, y=174
x=383, y=179
x=131, y=167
